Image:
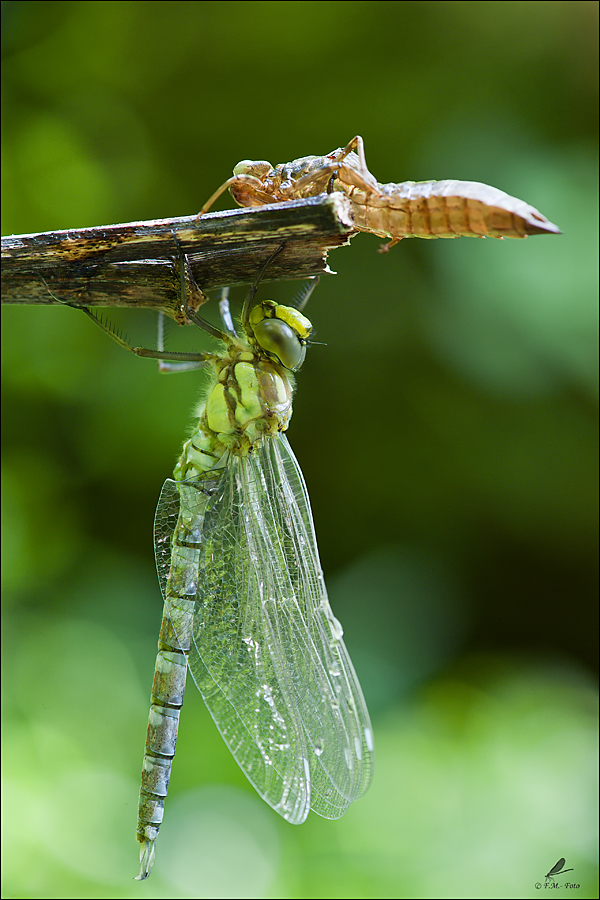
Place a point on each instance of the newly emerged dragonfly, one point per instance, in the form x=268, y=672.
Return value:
x=245, y=604
x=426, y=209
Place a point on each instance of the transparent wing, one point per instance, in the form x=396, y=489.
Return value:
x=267, y=653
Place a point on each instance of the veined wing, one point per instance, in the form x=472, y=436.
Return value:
x=267, y=653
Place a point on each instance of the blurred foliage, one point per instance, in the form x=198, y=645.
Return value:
x=447, y=432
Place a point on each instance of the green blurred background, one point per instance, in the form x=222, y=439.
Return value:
x=447, y=432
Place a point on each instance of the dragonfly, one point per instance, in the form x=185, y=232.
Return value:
x=557, y=869
x=424, y=209
x=246, y=610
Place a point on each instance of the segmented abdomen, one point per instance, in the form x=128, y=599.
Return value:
x=432, y=209
x=170, y=672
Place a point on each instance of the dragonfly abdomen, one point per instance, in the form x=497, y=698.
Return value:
x=167, y=698
x=168, y=689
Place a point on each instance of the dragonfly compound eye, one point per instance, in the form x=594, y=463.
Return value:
x=281, y=341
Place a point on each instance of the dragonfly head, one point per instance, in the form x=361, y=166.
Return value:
x=281, y=332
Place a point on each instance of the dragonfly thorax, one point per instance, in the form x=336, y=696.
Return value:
x=251, y=396
x=250, y=399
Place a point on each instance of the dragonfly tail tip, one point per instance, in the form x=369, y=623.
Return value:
x=146, y=860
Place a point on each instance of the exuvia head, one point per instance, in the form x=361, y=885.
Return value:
x=258, y=168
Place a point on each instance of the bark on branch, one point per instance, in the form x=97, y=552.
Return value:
x=132, y=265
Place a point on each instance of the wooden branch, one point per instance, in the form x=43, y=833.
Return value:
x=133, y=265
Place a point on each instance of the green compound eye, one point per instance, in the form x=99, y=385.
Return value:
x=281, y=341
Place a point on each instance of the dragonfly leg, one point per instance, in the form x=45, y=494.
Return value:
x=191, y=296
x=199, y=359
x=350, y=174
x=384, y=248
x=324, y=174
x=169, y=366
x=214, y=197
x=356, y=144
x=305, y=292
x=189, y=288
x=252, y=182
x=254, y=287
x=225, y=311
